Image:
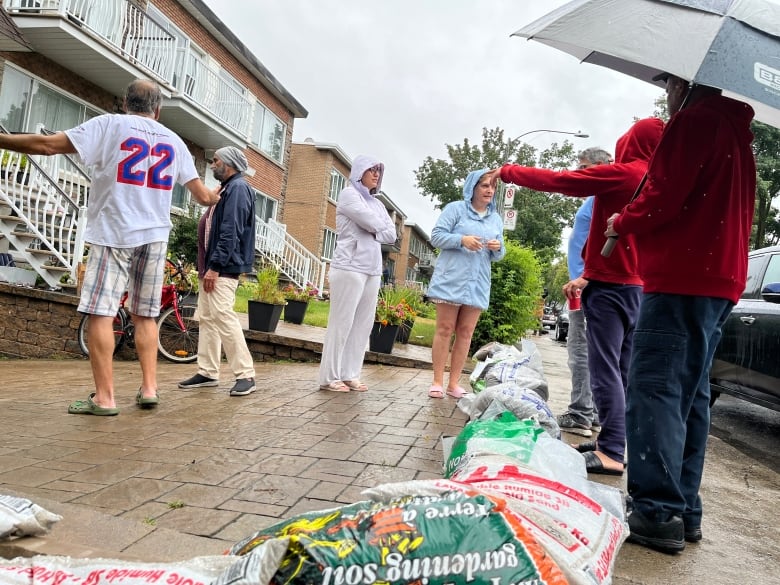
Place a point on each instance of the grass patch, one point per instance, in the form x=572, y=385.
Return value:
x=317, y=316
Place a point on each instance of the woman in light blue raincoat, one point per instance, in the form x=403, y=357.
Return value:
x=469, y=234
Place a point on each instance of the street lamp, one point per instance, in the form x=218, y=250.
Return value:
x=576, y=134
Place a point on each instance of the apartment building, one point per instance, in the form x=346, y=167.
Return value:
x=416, y=257
x=65, y=61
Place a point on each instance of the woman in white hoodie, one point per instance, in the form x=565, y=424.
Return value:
x=362, y=226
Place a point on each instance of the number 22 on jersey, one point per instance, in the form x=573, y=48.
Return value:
x=129, y=171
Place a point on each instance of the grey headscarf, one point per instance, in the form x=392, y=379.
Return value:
x=233, y=157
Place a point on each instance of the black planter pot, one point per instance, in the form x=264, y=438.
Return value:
x=382, y=337
x=263, y=316
x=404, y=329
x=294, y=311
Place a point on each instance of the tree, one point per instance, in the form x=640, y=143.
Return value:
x=540, y=216
x=766, y=146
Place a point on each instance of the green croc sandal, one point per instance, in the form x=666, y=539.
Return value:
x=89, y=407
x=145, y=401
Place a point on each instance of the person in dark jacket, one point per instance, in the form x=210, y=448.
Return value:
x=611, y=298
x=226, y=249
x=692, y=222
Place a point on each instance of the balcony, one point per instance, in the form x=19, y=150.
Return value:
x=112, y=42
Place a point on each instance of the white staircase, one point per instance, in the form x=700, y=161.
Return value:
x=288, y=255
x=42, y=215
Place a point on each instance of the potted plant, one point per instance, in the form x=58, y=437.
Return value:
x=265, y=308
x=389, y=315
x=297, y=301
x=412, y=300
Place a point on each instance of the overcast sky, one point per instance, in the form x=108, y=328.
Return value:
x=399, y=79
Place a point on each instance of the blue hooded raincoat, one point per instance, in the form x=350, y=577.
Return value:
x=462, y=276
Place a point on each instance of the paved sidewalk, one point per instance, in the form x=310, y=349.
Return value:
x=205, y=470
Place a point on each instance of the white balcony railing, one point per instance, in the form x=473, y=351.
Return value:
x=204, y=87
x=145, y=43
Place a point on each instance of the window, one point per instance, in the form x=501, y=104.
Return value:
x=772, y=273
x=417, y=247
x=268, y=133
x=328, y=244
x=337, y=184
x=26, y=102
x=265, y=207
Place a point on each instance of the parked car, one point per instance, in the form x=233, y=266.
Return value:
x=746, y=362
x=548, y=318
x=562, y=325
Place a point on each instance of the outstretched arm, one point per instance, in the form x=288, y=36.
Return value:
x=58, y=143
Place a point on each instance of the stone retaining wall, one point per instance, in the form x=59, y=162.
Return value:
x=39, y=324
x=36, y=323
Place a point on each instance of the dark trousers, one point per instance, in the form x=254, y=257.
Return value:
x=668, y=407
x=611, y=311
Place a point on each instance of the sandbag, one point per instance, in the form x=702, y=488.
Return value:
x=452, y=537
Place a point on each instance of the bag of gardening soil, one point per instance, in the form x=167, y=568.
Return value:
x=452, y=537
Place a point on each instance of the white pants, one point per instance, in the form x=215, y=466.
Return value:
x=353, y=299
x=220, y=327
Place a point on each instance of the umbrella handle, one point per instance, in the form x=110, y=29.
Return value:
x=609, y=245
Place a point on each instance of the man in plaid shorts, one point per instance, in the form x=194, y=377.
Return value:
x=136, y=161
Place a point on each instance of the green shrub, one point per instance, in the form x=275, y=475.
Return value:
x=183, y=238
x=515, y=292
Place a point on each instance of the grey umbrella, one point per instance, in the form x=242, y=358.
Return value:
x=733, y=45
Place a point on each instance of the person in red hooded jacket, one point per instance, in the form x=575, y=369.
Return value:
x=611, y=298
x=692, y=222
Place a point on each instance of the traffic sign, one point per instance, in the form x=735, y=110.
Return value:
x=510, y=219
x=509, y=197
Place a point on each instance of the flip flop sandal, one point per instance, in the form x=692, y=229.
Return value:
x=335, y=387
x=456, y=392
x=593, y=464
x=146, y=401
x=355, y=385
x=436, y=391
x=88, y=406
x=585, y=446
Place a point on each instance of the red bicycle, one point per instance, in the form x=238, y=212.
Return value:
x=177, y=328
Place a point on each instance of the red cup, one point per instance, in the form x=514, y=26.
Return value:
x=574, y=302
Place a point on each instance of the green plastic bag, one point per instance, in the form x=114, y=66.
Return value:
x=504, y=435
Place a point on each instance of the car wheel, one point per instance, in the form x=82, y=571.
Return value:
x=559, y=333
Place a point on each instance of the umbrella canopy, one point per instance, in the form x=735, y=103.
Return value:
x=733, y=45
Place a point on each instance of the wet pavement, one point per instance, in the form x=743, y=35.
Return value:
x=204, y=470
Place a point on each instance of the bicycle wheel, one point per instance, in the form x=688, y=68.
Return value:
x=120, y=325
x=176, y=343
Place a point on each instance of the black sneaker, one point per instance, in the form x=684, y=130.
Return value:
x=242, y=387
x=693, y=533
x=667, y=537
x=198, y=381
x=568, y=424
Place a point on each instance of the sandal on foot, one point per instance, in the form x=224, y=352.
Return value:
x=593, y=464
x=585, y=446
x=88, y=406
x=456, y=392
x=335, y=387
x=436, y=391
x=146, y=401
x=355, y=385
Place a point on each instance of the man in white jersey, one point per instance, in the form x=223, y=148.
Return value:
x=136, y=163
